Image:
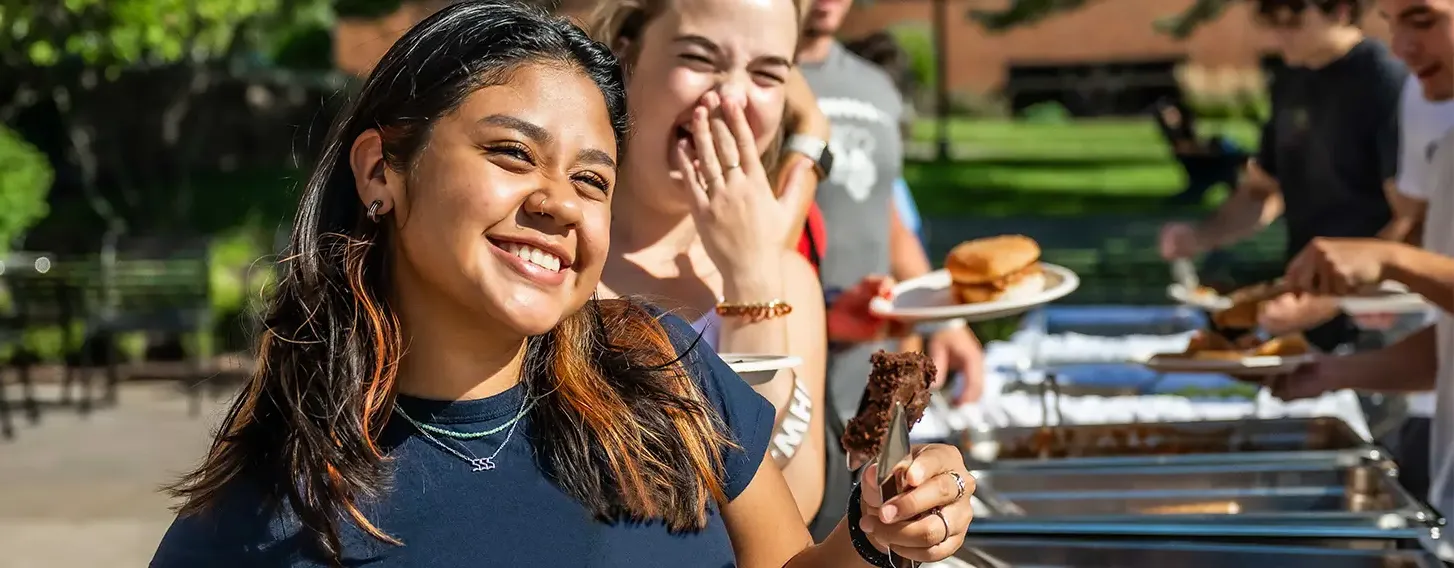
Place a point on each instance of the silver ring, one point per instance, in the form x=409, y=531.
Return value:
x=731, y=167
x=939, y=512
x=374, y=210
x=957, y=481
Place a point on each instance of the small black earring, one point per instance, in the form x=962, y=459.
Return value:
x=374, y=210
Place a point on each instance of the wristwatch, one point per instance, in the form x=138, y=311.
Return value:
x=815, y=149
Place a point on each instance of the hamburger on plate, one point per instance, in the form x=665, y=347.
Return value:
x=992, y=269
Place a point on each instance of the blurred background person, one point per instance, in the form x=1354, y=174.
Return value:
x=1327, y=157
x=866, y=234
x=880, y=48
x=1422, y=124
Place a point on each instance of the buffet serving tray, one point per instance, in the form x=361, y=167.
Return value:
x=1281, y=440
x=982, y=552
x=1294, y=500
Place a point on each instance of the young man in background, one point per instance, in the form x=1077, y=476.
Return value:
x=1327, y=158
x=866, y=234
x=1424, y=38
x=1422, y=123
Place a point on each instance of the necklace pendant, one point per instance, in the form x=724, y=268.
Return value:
x=482, y=464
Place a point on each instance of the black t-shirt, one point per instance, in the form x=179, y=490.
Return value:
x=1332, y=143
x=513, y=515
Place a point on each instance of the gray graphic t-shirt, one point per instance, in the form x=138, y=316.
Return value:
x=865, y=109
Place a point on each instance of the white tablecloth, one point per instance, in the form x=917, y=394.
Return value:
x=1000, y=409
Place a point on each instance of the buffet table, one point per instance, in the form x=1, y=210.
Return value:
x=1087, y=459
x=1106, y=364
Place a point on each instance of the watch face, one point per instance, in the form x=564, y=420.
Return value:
x=825, y=161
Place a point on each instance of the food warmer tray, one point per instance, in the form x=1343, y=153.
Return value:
x=1322, y=440
x=983, y=552
x=1306, y=500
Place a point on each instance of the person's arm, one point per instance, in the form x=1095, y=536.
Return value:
x=797, y=178
x=1426, y=273
x=764, y=534
x=759, y=523
x=1389, y=147
x=802, y=333
x=1255, y=204
x=907, y=258
x=1407, y=224
x=1407, y=366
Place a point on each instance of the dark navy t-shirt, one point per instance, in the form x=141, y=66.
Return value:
x=512, y=515
x=1332, y=145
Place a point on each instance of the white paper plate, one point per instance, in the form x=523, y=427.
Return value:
x=758, y=369
x=1257, y=366
x=928, y=298
x=1391, y=298
x=1206, y=300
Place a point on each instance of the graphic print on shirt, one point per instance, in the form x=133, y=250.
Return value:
x=853, y=144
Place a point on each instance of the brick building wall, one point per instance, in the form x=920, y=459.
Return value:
x=1104, y=31
x=359, y=43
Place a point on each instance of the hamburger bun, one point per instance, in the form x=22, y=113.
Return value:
x=1019, y=285
x=984, y=261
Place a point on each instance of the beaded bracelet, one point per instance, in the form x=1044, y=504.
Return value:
x=861, y=544
x=755, y=312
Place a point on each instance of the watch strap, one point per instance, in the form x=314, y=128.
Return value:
x=813, y=147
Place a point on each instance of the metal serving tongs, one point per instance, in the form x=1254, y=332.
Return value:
x=1050, y=389
x=1184, y=272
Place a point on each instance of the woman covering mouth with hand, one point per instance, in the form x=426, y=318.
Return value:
x=438, y=385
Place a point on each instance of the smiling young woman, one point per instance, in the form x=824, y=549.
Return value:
x=437, y=385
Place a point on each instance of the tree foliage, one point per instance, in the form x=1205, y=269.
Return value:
x=84, y=60
x=116, y=33
x=25, y=182
x=1026, y=12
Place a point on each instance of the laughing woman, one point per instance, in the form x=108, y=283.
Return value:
x=437, y=385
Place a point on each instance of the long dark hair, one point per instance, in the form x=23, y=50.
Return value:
x=623, y=428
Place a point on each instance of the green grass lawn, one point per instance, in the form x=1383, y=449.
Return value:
x=1003, y=168
x=1089, y=140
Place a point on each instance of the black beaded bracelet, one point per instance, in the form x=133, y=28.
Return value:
x=865, y=548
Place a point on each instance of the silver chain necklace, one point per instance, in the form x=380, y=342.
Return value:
x=486, y=463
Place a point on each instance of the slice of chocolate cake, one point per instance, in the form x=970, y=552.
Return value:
x=896, y=377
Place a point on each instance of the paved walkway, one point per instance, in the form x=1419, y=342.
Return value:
x=82, y=493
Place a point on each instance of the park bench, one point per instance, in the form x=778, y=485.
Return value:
x=159, y=287
x=1208, y=162
x=42, y=304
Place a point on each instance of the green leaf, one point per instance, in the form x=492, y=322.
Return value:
x=43, y=53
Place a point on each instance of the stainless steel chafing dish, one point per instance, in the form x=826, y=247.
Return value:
x=1306, y=500
x=1284, y=440
x=981, y=552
